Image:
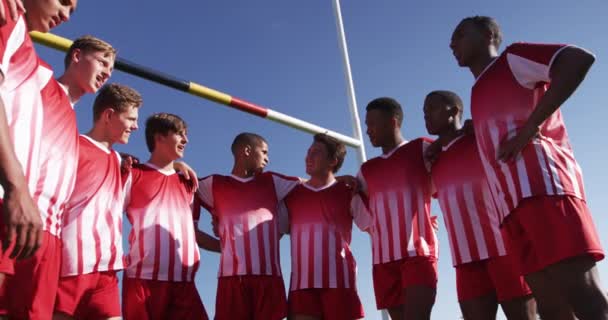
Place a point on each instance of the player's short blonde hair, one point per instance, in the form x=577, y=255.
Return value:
x=89, y=43
x=117, y=97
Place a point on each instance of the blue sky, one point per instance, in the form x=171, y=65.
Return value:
x=284, y=55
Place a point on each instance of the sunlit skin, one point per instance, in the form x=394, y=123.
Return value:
x=115, y=127
x=44, y=15
x=168, y=148
x=87, y=73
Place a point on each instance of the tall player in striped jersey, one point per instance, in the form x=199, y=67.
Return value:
x=244, y=208
x=163, y=257
x=404, y=243
x=321, y=212
x=19, y=106
x=529, y=163
x=92, y=222
x=485, y=274
x=35, y=103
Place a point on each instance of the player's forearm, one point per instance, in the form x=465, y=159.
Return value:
x=207, y=242
x=568, y=71
x=11, y=173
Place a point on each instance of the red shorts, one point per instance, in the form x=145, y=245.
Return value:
x=153, y=299
x=545, y=230
x=497, y=275
x=250, y=297
x=89, y=296
x=339, y=304
x=30, y=292
x=391, y=278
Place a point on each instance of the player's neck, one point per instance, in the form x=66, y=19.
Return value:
x=161, y=161
x=449, y=134
x=99, y=135
x=242, y=172
x=392, y=144
x=321, y=179
x=480, y=64
x=74, y=91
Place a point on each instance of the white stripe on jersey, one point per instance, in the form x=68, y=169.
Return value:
x=467, y=192
x=456, y=217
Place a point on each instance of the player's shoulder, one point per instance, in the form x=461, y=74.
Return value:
x=423, y=140
x=279, y=175
x=527, y=48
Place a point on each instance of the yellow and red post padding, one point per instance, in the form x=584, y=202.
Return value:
x=63, y=44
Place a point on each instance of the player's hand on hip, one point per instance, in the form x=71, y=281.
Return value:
x=434, y=223
x=510, y=148
x=22, y=223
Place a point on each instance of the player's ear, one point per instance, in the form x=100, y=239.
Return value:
x=247, y=150
x=107, y=114
x=76, y=55
x=395, y=122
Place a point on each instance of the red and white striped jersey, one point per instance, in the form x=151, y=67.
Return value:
x=320, y=223
x=469, y=210
x=58, y=155
x=502, y=99
x=162, y=240
x=24, y=79
x=246, y=211
x=92, y=222
x=399, y=188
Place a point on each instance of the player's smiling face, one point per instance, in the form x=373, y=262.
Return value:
x=173, y=144
x=122, y=124
x=91, y=69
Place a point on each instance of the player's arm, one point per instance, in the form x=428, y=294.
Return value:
x=567, y=72
x=359, y=208
x=187, y=171
x=284, y=226
x=361, y=183
x=20, y=213
x=350, y=181
x=207, y=242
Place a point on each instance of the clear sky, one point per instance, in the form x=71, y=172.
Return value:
x=285, y=55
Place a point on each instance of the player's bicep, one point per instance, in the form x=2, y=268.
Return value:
x=360, y=212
